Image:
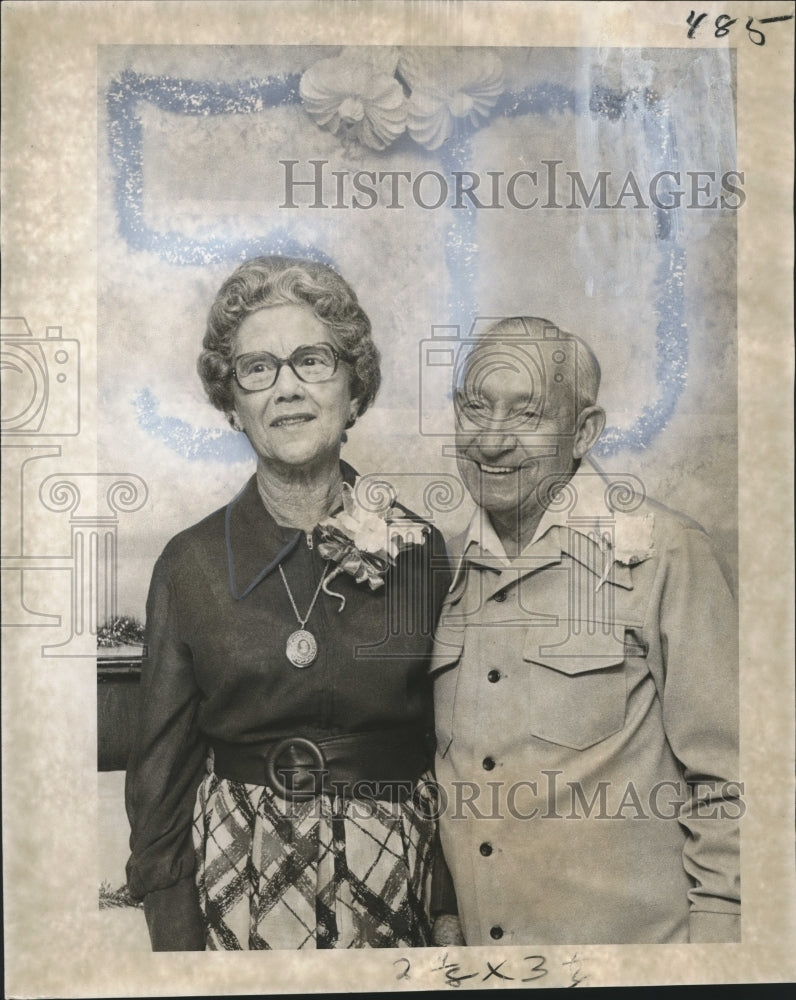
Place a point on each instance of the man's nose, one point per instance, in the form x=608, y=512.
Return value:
x=496, y=438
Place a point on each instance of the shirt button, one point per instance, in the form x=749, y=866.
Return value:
x=493, y=676
x=485, y=849
x=500, y=596
x=496, y=933
x=488, y=764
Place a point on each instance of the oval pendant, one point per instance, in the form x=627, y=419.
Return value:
x=301, y=648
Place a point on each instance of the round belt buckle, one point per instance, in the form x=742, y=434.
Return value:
x=274, y=780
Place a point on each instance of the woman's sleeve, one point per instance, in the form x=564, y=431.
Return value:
x=436, y=567
x=165, y=768
x=443, y=894
x=440, y=571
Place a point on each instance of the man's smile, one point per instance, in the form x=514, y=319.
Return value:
x=488, y=469
x=496, y=470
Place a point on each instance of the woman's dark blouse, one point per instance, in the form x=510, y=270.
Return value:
x=218, y=618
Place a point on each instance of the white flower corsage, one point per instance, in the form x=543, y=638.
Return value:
x=631, y=544
x=365, y=543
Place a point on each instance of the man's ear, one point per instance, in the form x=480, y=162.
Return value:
x=588, y=427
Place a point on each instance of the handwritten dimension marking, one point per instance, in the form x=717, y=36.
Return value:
x=459, y=972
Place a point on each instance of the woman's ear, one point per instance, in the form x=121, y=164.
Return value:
x=353, y=413
x=234, y=422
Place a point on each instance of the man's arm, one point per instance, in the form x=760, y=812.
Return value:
x=699, y=639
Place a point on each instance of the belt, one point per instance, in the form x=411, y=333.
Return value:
x=374, y=765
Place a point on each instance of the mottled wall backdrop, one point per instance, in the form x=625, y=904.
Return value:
x=445, y=185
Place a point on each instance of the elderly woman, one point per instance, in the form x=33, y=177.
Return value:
x=275, y=790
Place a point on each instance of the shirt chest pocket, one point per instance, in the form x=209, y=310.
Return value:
x=576, y=684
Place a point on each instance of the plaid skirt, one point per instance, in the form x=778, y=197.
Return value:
x=322, y=873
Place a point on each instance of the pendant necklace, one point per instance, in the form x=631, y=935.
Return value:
x=302, y=648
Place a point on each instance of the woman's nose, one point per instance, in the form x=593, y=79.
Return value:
x=288, y=385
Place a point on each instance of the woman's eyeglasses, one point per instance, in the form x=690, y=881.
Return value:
x=313, y=363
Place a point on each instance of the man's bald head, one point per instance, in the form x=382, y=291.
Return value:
x=579, y=368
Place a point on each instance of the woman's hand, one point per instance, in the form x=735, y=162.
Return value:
x=447, y=930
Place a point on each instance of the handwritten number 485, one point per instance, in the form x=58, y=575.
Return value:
x=724, y=22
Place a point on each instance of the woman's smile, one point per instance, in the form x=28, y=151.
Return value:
x=293, y=420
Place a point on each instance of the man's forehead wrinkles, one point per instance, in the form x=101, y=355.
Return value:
x=537, y=360
x=505, y=383
x=504, y=354
x=496, y=393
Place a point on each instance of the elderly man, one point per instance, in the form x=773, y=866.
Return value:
x=586, y=678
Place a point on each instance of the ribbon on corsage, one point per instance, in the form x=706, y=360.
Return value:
x=632, y=542
x=365, y=543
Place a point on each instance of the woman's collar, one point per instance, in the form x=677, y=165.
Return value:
x=256, y=544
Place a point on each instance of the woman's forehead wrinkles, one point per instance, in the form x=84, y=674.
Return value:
x=270, y=354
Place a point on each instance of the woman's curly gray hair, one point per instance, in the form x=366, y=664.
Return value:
x=273, y=281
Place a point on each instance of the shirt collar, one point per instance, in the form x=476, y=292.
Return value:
x=589, y=487
x=482, y=543
x=256, y=544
